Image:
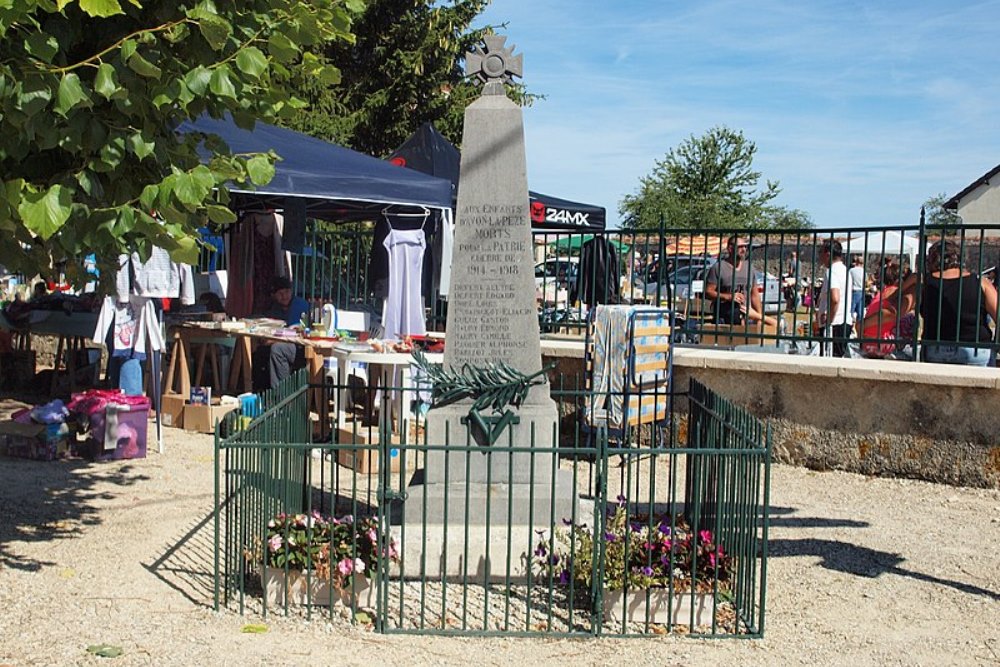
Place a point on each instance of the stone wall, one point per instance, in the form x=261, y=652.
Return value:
x=922, y=421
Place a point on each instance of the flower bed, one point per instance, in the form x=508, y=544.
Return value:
x=311, y=559
x=651, y=564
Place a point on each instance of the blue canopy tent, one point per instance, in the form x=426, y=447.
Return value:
x=335, y=182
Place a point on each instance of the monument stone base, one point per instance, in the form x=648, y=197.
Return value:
x=447, y=530
x=537, y=428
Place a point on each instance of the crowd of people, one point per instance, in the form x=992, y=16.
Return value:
x=957, y=309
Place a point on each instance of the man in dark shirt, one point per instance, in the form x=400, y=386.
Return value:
x=280, y=359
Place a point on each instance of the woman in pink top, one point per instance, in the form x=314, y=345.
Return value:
x=882, y=317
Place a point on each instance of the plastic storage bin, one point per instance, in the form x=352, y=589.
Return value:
x=129, y=439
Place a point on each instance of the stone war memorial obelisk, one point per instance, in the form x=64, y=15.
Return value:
x=492, y=320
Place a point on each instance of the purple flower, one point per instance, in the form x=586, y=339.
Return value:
x=540, y=550
x=564, y=577
x=610, y=537
x=567, y=522
x=648, y=571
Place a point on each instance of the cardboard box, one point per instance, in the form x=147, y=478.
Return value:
x=33, y=441
x=172, y=410
x=366, y=461
x=202, y=418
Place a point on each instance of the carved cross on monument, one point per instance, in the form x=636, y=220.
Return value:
x=494, y=64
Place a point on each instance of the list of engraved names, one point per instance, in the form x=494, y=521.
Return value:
x=488, y=308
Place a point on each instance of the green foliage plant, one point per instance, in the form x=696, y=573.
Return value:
x=91, y=92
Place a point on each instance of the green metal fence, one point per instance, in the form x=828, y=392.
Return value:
x=262, y=468
x=663, y=532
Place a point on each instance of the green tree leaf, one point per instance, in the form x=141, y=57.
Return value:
x=43, y=213
x=106, y=83
x=70, y=93
x=138, y=145
x=143, y=67
x=221, y=215
x=260, y=169
x=186, y=252
x=42, y=46
x=215, y=30
x=282, y=48
x=220, y=83
x=197, y=79
x=251, y=61
x=101, y=8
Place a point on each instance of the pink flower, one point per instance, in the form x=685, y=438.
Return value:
x=705, y=535
x=345, y=567
x=372, y=536
x=274, y=543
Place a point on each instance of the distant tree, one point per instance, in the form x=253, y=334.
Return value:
x=935, y=214
x=91, y=92
x=707, y=182
x=780, y=217
x=403, y=69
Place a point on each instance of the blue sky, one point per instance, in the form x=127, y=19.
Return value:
x=861, y=111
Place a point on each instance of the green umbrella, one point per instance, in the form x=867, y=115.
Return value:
x=576, y=241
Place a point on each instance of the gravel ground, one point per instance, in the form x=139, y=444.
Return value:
x=863, y=571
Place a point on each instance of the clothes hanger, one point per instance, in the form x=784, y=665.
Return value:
x=423, y=213
x=400, y=212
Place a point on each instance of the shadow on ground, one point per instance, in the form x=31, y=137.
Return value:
x=43, y=501
x=864, y=562
x=188, y=565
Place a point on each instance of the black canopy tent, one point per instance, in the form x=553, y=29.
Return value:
x=336, y=183
x=428, y=151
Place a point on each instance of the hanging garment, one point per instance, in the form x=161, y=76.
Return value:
x=443, y=250
x=435, y=226
x=403, y=311
x=157, y=277
x=134, y=326
x=599, y=276
x=256, y=259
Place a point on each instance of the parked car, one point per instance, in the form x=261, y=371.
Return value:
x=559, y=271
x=686, y=282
